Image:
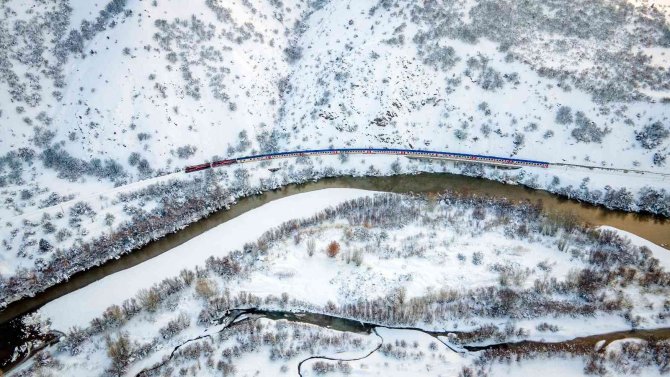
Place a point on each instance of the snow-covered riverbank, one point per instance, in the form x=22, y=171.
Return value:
x=486, y=269
x=83, y=305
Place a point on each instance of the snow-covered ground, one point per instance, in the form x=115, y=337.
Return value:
x=96, y=95
x=364, y=78
x=427, y=257
x=81, y=306
x=403, y=353
x=439, y=258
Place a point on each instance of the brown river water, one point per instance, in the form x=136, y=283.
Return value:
x=651, y=227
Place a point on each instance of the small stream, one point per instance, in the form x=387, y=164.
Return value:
x=328, y=321
x=591, y=340
x=237, y=316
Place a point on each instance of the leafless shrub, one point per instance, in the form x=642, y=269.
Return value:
x=357, y=258
x=544, y=327
x=477, y=258
x=311, y=247
x=113, y=316
x=205, y=288
x=175, y=326
x=187, y=276
x=149, y=299
x=120, y=352
x=73, y=340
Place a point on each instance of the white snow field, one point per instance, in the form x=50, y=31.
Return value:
x=103, y=104
x=441, y=263
x=80, y=306
x=95, y=96
x=443, y=260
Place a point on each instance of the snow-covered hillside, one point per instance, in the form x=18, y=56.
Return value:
x=98, y=95
x=137, y=88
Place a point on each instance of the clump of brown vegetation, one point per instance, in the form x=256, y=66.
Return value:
x=333, y=249
x=120, y=352
x=205, y=288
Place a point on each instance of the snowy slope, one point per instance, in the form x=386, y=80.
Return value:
x=95, y=95
x=156, y=78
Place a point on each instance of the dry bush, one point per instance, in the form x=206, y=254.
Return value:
x=466, y=372
x=187, y=276
x=322, y=367
x=175, y=326
x=333, y=249
x=205, y=288
x=510, y=274
x=119, y=352
x=479, y=213
x=72, y=341
x=113, y=316
x=130, y=307
x=544, y=327
x=357, y=258
x=149, y=299
x=477, y=258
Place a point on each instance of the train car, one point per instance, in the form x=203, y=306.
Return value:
x=223, y=163
x=191, y=169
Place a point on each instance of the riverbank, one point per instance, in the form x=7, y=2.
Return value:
x=423, y=263
x=96, y=232
x=648, y=227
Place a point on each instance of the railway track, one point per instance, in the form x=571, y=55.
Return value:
x=413, y=153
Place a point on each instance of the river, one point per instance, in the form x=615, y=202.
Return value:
x=650, y=227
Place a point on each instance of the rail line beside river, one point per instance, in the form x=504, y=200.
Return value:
x=416, y=153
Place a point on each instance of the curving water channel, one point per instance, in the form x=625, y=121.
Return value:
x=652, y=228
x=236, y=316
